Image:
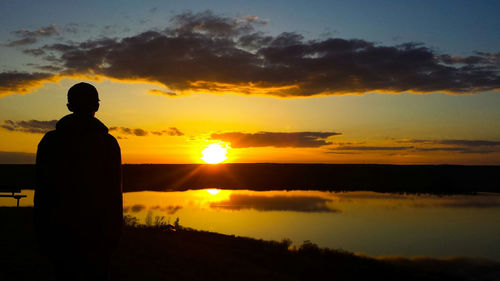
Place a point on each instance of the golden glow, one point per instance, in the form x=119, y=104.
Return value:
x=213, y=191
x=214, y=153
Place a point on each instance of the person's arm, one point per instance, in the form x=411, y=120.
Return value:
x=116, y=202
x=42, y=200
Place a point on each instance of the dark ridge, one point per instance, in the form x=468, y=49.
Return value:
x=264, y=176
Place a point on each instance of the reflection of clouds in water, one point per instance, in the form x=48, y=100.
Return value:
x=471, y=202
x=137, y=208
x=168, y=209
x=481, y=200
x=275, y=203
x=351, y=195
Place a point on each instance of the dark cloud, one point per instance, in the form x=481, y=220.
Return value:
x=22, y=42
x=212, y=25
x=372, y=148
x=168, y=209
x=30, y=37
x=50, y=68
x=29, y=126
x=455, y=145
x=275, y=203
x=485, y=59
x=130, y=131
x=163, y=93
x=172, y=131
x=275, y=139
x=22, y=82
x=44, y=32
x=470, y=143
x=7, y=157
x=34, y=52
x=204, y=52
x=455, y=149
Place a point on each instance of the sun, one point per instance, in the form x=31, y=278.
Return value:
x=213, y=191
x=214, y=153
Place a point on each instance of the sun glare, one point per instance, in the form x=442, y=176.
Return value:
x=214, y=153
x=213, y=191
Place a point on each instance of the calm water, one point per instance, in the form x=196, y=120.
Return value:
x=372, y=223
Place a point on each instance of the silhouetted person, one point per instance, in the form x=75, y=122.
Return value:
x=78, y=196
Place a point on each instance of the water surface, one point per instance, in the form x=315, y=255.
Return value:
x=376, y=224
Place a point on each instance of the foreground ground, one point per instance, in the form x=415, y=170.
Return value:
x=155, y=254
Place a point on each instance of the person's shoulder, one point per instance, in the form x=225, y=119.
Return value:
x=49, y=137
x=111, y=139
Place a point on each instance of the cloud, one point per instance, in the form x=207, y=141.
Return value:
x=172, y=131
x=30, y=37
x=163, y=93
x=43, y=32
x=275, y=139
x=129, y=131
x=372, y=148
x=22, y=42
x=7, y=157
x=470, y=143
x=207, y=53
x=34, y=52
x=29, y=126
x=455, y=145
x=41, y=127
x=22, y=82
x=275, y=203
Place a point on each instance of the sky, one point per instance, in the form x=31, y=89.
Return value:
x=391, y=82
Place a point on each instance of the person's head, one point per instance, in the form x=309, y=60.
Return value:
x=83, y=99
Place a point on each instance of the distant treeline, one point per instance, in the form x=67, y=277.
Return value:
x=381, y=178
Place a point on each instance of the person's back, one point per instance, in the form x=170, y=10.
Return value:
x=78, y=200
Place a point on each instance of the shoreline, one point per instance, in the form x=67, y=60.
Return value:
x=153, y=253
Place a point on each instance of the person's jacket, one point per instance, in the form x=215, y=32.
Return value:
x=78, y=193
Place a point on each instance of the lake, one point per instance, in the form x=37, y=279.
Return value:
x=375, y=224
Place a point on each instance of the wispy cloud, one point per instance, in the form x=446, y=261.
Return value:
x=208, y=53
x=172, y=131
x=44, y=31
x=29, y=126
x=275, y=139
x=41, y=127
x=455, y=145
x=461, y=142
x=30, y=37
x=129, y=131
x=372, y=148
x=22, y=42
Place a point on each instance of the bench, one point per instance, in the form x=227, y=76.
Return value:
x=11, y=191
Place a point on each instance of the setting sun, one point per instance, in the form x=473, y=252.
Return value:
x=214, y=153
x=213, y=191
